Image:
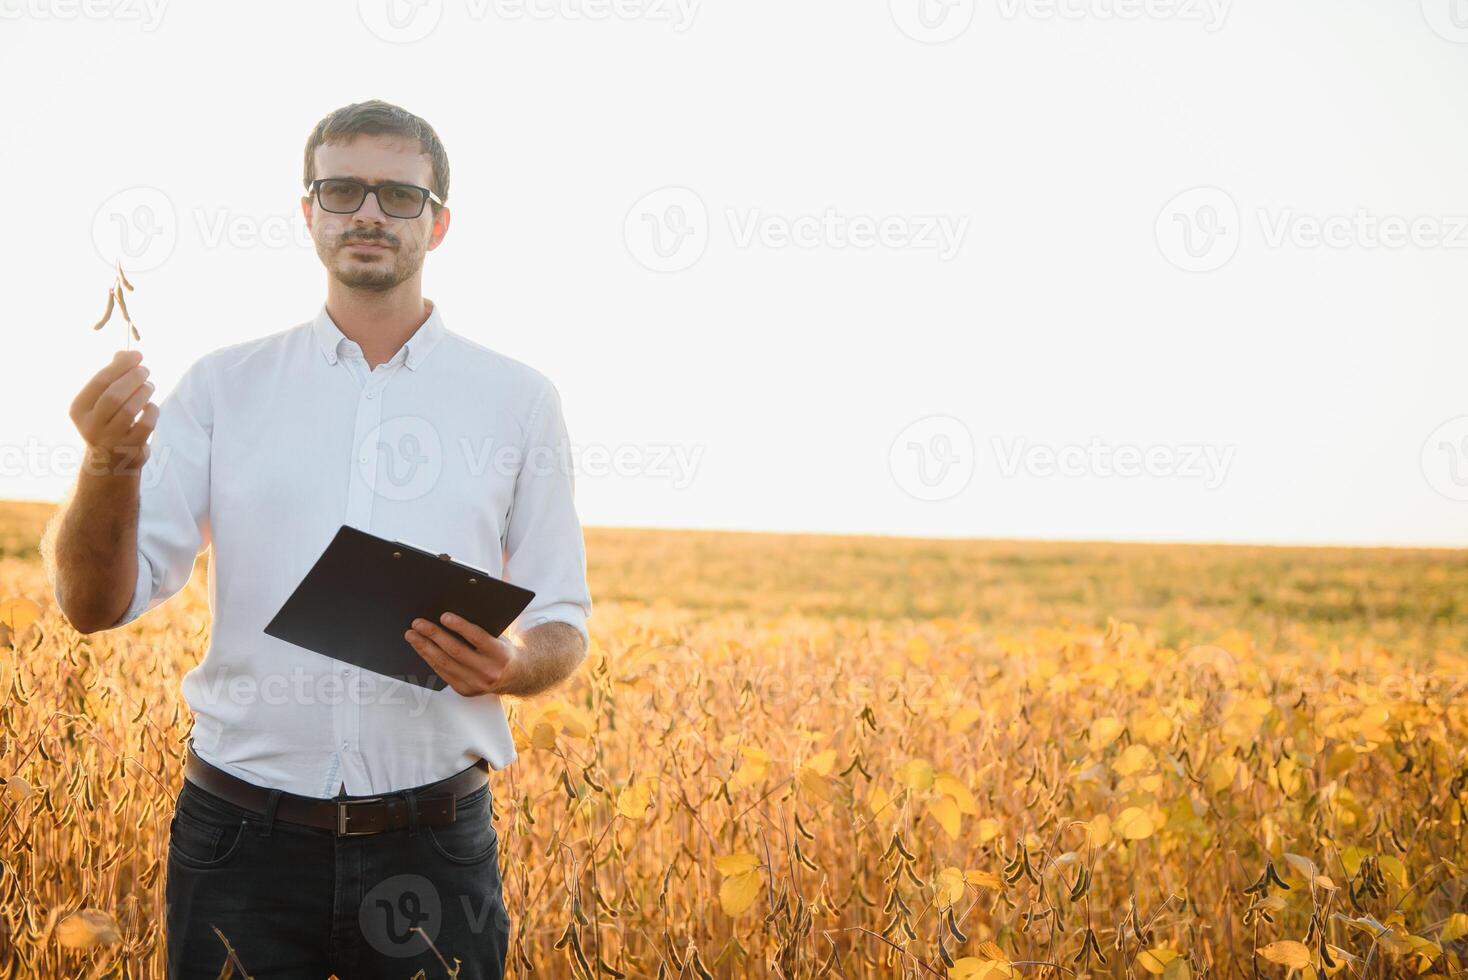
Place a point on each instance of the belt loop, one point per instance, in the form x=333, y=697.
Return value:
x=270, y=812
x=412, y=811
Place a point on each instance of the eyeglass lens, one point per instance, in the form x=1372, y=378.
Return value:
x=346, y=196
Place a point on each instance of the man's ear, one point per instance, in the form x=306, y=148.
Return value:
x=306, y=208
x=440, y=228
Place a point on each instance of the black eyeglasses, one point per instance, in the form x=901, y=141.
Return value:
x=343, y=195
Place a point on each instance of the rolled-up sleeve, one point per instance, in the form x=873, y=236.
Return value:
x=173, y=493
x=544, y=548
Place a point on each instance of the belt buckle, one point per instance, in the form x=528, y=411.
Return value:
x=342, y=816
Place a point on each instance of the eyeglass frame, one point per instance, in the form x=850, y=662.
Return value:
x=313, y=188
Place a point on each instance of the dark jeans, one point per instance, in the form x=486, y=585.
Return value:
x=299, y=903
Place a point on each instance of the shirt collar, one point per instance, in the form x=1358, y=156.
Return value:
x=329, y=336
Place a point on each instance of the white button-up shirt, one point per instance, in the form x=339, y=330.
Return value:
x=263, y=450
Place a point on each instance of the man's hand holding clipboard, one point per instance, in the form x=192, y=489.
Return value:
x=403, y=612
x=468, y=657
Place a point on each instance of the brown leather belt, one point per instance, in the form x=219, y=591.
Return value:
x=346, y=817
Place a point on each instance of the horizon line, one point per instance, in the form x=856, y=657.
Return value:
x=1035, y=539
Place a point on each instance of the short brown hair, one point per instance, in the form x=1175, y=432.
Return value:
x=373, y=118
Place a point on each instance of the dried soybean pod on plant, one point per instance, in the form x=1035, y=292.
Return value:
x=114, y=295
x=106, y=314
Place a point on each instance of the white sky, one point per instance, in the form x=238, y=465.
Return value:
x=1048, y=140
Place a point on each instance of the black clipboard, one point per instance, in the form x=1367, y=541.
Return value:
x=364, y=592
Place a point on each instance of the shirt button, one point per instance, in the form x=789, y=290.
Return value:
x=370, y=394
x=364, y=459
x=344, y=744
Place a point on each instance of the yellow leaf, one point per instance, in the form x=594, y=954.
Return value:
x=756, y=762
x=945, y=811
x=1303, y=866
x=1133, y=823
x=1099, y=830
x=917, y=775
x=946, y=782
x=963, y=718
x=950, y=885
x=734, y=864
x=87, y=927
x=1155, y=728
x=633, y=801
x=1394, y=867
x=822, y=762
x=919, y=649
x=1456, y=927
x=1155, y=961
x=880, y=803
x=19, y=613
x=1221, y=773
x=984, y=879
x=738, y=892
x=988, y=829
x=1274, y=903
x=965, y=968
x=1104, y=732
x=1136, y=758
x=1286, y=952
x=814, y=783
x=973, y=968
x=990, y=950
x=544, y=735
x=575, y=722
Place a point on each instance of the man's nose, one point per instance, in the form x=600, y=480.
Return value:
x=371, y=210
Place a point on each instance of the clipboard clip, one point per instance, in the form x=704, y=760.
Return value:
x=441, y=557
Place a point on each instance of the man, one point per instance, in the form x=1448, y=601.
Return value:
x=332, y=819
